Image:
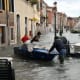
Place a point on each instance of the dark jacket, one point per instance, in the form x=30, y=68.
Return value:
x=58, y=44
x=35, y=38
x=64, y=40
x=67, y=45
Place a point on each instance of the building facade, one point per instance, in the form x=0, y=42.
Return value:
x=43, y=16
x=17, y=18
x=6, y=22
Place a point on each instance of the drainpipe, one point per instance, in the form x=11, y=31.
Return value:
x=7, y=26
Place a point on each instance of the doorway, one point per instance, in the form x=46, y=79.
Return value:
x=18, y=28
x=2, y=35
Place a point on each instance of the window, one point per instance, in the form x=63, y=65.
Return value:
x=38, y=6
x=18, y=28
x=41, y=5
x=2, y=5
x=12, y=35
x=11, y=5
x=26, y=21
x=25, y=25
x=3, y=35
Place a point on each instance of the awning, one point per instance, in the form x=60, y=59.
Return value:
x=35, y=19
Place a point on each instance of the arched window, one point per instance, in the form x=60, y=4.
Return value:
x=18, y=27
x=25, y=25
x=11, y=5
x=2, y=5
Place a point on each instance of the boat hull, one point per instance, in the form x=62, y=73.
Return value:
x=37, y=54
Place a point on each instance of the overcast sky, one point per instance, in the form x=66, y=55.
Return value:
x=70, y=7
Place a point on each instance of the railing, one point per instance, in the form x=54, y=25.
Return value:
x=6, y=70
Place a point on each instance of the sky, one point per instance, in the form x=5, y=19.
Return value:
x=70, y=7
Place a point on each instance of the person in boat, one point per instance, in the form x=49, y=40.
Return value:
x=36, y=37
x=60, y=47
x=25, y=39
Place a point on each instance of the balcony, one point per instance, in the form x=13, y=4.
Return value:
x=3, y=18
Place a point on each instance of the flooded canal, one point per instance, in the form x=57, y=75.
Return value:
x=39, y=70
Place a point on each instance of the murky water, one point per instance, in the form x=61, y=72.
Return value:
x=39, y=70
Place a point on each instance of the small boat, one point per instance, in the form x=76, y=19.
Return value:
x=36, y=53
